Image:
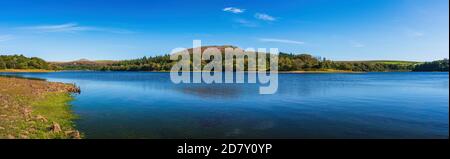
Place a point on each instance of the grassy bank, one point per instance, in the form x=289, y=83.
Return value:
x=35, y=109
x=25, y=70
x=322, y=71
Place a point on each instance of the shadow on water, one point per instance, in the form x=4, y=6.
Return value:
x=21, y=76
x=210, y=91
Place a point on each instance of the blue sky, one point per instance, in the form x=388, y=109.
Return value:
x=67, y=30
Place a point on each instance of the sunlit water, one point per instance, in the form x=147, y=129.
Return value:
x=368, y=105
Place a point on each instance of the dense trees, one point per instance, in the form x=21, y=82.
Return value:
x=305, y=62
x=22, y=62
x=440, y=65
x=291, y=62
x=287, y=62
x=157, y=63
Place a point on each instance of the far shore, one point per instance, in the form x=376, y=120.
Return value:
x=320, y=71
x=25, y=70
x=281, y=72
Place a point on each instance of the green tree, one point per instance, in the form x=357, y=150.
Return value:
x=2, y=64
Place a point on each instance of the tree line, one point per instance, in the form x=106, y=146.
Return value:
x=22, y=62
x=439, y=65
x=306, y=62
x=287, y=62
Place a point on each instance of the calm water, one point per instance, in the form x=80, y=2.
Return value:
x=372, y=105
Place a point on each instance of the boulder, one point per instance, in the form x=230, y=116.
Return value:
x=41, y=118
x=55, y=127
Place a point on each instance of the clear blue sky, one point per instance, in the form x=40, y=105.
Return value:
x=66, y=30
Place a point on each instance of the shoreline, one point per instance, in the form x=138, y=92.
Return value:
x=326, y=71
x=280, y=72
x=25, y=70
x=36, y=109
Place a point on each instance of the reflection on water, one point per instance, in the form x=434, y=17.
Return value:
x=206, y=91
x=19, y=76
x=149, y=105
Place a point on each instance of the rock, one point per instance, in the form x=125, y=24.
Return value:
x=24, y=137
x=32, y=130
x=56, y=128
x=26, y=111
x=41, y=118
x=2, y=128
x=73, y=134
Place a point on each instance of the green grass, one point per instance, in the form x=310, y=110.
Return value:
x=55, y=108
x=393, y=62
x=28, y=109
x=396, y=62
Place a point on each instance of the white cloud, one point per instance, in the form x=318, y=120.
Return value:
x=234, y=10
x=71, y=28
x=68, y=27
x=418, y=34
x=264, y=17
x=414, y=33
x=4, y=38
x=281, y=41
x=356, y=44
x=246, y=23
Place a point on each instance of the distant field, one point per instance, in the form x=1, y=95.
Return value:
x=393, y=62
x=86, y=62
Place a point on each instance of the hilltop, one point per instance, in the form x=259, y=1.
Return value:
x=83, y=64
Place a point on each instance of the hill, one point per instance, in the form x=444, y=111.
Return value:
x=83, y=64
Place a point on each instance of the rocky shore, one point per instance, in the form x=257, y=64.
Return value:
x=36, y=109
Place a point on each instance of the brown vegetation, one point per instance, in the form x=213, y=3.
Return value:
x=35, y=109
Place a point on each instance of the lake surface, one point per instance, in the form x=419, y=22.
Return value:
x=367, y=105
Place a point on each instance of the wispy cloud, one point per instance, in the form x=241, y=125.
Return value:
x=265, y=17
x=72, y=28
x=68, y=27
x=4, y=38
x=356, y=44
x=246, y=23
x=234, y=10
x=286, y=41
x=415, y=34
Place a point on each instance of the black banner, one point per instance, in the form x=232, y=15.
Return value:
x=239, y=148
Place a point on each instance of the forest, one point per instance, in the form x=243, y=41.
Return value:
x=287, y=62
x=440, y=65
x=22, y=62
